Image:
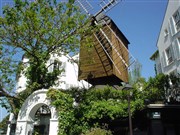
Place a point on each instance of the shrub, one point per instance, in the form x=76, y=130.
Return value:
x=98, y=131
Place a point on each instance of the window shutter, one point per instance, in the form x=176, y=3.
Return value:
x=163, y=59
x=172, y=52
x=51, y=65
x=177, y=48
x=172, y=26
x=63, y=66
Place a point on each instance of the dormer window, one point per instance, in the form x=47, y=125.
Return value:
x=166, y=33
x=176, y=17
x=56, y=65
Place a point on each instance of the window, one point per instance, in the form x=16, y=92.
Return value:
x=169, y=57
x=56, y=65
x=178, y=48
x=50, y=68
x=166, y=33
x=176, y=17
x=63, y=68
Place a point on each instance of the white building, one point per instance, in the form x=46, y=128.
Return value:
x=36, y=112
x=67, y=79
x=167, y=57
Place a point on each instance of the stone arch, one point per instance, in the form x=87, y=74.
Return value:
x=25, y=121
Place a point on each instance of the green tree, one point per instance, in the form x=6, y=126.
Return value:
x=4, y=125
x=97, y=108
x=172, y=91
x=8, y=66
x=156, y=87
x=98, y=131
x=36, y=30
x=159, y=88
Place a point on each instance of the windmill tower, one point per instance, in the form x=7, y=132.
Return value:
x=108, y=61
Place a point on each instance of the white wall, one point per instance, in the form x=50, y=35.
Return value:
x=25, y=121
x=170, y=40
x=66, y=80
x=21, y=83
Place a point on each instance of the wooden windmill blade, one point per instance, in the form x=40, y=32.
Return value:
x=85, y=5
x=104, y=5
x=107, y=5
x=107, y=62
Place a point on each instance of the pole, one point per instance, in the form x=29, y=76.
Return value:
x=129, y=111
x=1, y=114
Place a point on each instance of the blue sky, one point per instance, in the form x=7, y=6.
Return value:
x=140, y=21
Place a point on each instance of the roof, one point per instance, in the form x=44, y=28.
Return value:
x=161, y=106
x=101, y=18
x=155, y=55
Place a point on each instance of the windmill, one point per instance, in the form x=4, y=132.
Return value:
x=108, y=61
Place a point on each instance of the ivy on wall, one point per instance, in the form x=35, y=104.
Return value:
x=97, y=108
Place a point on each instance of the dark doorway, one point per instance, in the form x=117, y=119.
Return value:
x=42, y=121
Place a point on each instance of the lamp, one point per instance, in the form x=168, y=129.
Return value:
x=127, y=86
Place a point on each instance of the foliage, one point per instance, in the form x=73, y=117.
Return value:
x=135, y=72
x=97, y=107
x=156, y=86
x=160, y=88
x=3, y=124
x=36, y=30
x=98, y=131
x=100, y=107
x=172, y=91
x=7, y=77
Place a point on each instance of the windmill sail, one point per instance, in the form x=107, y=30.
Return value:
x=85, y=5
x=106, y=5
x=110, y=56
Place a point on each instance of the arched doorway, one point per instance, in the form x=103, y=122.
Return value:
x=42, y=121
x=37, y=116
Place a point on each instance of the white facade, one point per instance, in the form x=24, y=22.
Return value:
x=67, y=79
x=167, y=58
x=26, y=122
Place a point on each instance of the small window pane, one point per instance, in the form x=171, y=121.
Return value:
x=169, y=56
x=176, y=17
x=166, y=33
x=178, y=49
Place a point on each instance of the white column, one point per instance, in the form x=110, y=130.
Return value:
x=24, y=127
x=11, y=118
x=8, y=129
x=53, y=128
x=21, y=127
